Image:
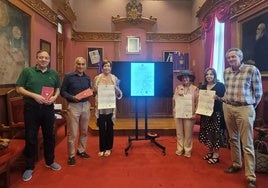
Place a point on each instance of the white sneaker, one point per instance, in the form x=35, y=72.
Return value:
x=107, y=153
x=101, y=154
x=188, y=155
x=179, y=152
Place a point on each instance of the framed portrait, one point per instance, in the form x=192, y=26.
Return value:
x=255, y=41
x=180, y=61
x=45, y=45
x=95, y=57
x=168, y=55
x=15, y=42
x=133, y=45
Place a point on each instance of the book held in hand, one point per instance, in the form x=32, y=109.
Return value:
x=84, y=94
x=47, y=92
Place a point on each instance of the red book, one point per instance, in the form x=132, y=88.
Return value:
x=47, y=92
x=84, y=94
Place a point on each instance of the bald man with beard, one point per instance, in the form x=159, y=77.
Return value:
x=261, y=48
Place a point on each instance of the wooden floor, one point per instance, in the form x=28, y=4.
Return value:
x=130, y=123
x=127, y=125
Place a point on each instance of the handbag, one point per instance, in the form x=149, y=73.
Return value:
x=261, y=156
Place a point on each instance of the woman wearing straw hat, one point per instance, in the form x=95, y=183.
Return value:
x=185, y=102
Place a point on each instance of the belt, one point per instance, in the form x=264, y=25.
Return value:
x=233, y=103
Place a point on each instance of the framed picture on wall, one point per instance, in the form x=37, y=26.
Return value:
x=133, y=45
x=15, y=41
x=45, y=45
x=168, y=55
x=255, y=41
x=95, y=57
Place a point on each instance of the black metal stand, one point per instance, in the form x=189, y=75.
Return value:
x=147, y=136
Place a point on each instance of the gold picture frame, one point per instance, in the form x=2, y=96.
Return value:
x=45, y=45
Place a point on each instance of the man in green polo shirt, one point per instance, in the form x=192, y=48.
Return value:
x=40, y=87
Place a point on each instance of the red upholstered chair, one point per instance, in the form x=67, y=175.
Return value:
x=8, y=157
x=16, y=128
x=261, y=125
x=4, y=168
x=15, y=116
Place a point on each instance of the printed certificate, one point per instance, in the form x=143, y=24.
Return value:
x=106, y=96
x=205, y=102
x=183, y=106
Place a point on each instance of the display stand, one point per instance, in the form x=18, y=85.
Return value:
x=147, y=136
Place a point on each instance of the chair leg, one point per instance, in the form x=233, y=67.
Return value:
x=5, y=175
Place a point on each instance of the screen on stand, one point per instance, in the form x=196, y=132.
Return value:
x=144, y=79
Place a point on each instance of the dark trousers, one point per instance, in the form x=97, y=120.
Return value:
x=34, y=117
x=106, y=132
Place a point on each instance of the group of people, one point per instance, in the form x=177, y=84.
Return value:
x=39, y=109
x=234, y=108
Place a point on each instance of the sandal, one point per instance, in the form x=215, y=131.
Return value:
x=213, y=160
x=208, y=156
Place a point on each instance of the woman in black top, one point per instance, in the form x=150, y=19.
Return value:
x=212, y=128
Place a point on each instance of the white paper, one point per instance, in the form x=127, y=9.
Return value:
x=183, y=106
x=205, y=102
x=94, y=56
x=106, y=96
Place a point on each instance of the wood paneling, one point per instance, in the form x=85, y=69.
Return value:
x=156, y=107
x=3, y=106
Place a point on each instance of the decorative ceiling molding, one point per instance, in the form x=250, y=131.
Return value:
x=123, y=23
x=167, y=37
x=134, y=11
x=196, y=34
x=241, y=6
x=238, y=7
x=150, y=37
x=95, y=36
x=207, y=7
x=64, y=9
x=174, y=37
x=42, y=9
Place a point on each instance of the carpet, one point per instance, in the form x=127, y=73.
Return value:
x=145, y=166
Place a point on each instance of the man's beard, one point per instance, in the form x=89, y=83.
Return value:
x=258, y=36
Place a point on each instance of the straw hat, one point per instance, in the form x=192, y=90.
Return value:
x=186, y=73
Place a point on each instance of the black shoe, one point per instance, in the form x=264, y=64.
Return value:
x=251, y=184
x=71, y=161
x=233, y=169
x=83, y=155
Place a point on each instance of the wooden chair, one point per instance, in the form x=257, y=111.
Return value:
x=9, y=157
x=60, y=120
x=4, y=169
x=15, y=105
x=261, y=126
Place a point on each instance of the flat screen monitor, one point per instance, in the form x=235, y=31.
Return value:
x=144, y=78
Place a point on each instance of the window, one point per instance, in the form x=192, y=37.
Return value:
x=219, y=56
